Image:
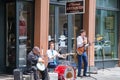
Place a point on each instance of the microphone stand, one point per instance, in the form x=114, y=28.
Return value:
x=89, y=69
x=103, y=56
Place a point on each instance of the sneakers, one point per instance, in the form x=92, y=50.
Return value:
x=86, y=75
x=79, y=76
x=83, y=76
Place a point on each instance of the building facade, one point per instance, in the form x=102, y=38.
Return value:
x=25, y=23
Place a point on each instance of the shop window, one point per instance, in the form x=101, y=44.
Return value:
x=51, y=22
x=59, y=27
x=107, y=3
x=106, y=34
x=10, y=35
x=25, y=31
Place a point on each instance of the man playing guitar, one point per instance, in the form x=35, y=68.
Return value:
x=33, y=58
x=82, y=56
x=52, y=55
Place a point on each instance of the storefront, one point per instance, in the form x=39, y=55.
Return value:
x=17, y=33
x=107, y=25
x=64, y=28
x=25, y=23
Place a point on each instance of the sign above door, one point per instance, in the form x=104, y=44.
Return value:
x=75, y=7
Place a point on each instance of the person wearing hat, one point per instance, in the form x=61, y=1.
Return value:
x=81, y=42
x=33, y=58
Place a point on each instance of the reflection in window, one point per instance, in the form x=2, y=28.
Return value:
x=106, y=25
x=51, y=22
x=107, y=3
x=25, y=31
x=10, y=36
x=63, y=28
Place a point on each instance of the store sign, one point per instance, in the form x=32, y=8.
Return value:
x=75, y=7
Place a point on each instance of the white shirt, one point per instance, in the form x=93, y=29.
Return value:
x=80, y=41
x=52, y=53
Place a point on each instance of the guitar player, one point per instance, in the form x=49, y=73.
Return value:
x=33, y=59
x=81, y=42
x=52, y=55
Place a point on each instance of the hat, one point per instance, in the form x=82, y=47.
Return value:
x=49, y=38
x=36, y=48
x=62, y=37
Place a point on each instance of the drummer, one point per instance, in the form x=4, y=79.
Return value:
x=52, y=55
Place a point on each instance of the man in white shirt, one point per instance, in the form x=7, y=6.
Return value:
x=81, y=42
x=52, y=54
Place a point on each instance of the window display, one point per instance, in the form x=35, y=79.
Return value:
x=106, y=26
x=60, y=32
x=25, y=31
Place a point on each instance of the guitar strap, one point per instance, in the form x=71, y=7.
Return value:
x=84, y=44
x=83, y=40
x=54, y=59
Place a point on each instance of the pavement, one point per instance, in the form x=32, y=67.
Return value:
x=6, y=77
x=102, y=74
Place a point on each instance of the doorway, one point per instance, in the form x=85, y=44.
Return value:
x=63, y=28
x=18, y=29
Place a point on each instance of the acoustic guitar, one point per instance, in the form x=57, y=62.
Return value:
x=81, y=50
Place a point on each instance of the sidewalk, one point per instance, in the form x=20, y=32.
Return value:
x=106, y=74
x=6, y=77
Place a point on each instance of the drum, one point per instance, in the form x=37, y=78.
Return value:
x=65, y=72
x=40, y=65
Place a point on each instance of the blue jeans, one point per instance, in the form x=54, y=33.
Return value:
x=83, y=58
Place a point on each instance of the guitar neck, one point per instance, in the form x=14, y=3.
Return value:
x=67, y=54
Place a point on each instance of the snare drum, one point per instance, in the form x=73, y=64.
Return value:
x=65, y=72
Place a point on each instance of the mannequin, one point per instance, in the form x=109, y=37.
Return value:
x=22, y=25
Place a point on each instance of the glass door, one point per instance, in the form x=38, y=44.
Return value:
x=63, y=29
x=10, y=36
x=25, y=31
x=58, y=29
x=19, y=33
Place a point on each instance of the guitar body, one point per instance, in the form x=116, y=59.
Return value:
x=80, y=50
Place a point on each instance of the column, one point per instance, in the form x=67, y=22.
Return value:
x=56, y=24
x=41, y=25
x=70, y=32
x=89, y=26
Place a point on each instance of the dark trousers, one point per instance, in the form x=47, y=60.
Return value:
x=43, y=73
x=83, y=58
